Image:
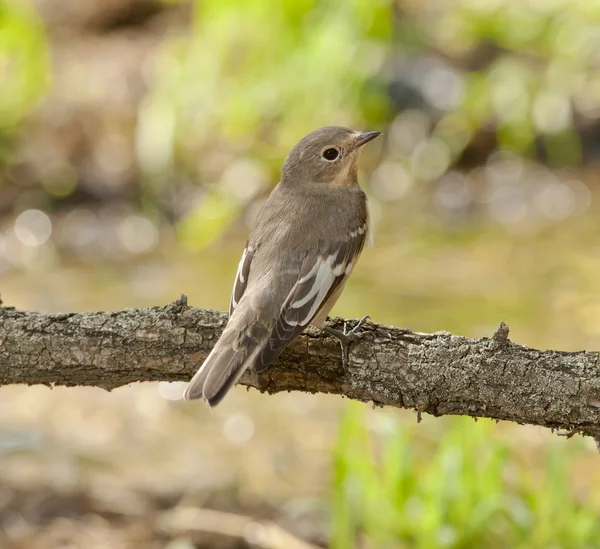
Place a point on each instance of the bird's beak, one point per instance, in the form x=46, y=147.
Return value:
x=365, y=138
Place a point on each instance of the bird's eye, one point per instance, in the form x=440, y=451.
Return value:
x=330, y=154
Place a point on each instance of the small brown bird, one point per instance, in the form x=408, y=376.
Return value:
x=306, y=242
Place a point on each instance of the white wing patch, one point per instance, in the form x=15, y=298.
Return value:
x=323, y=275
x=320, y=274
x=241, y=278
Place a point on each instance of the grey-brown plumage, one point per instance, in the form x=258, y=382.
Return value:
x=306, y=242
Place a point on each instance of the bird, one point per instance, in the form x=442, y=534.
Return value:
x=306, y=241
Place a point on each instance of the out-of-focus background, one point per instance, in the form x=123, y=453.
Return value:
x=138, y=139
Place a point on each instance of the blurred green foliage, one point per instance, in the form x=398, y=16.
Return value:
x=537, y=61
x=251, y=78
x=247, y=79
x=24, y=62
x=471, y=491
x=257, y=72
x=242, y=84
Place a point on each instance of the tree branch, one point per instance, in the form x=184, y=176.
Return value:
x=436, y=373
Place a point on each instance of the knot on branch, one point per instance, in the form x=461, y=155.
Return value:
x=178, y=305
x=500, y=336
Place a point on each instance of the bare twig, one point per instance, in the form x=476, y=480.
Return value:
x=260, y=534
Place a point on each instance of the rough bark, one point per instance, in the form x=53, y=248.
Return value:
x=436, y=373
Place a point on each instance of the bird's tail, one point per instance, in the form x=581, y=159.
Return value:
x=237, y=350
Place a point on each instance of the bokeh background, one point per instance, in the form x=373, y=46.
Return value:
x=138, y=139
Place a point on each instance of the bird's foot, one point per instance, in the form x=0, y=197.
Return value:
x=353, y=334
x=346, y=337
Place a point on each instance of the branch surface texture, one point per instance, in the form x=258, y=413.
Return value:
x=436, y=373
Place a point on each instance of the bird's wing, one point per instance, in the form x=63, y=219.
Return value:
x=247, y=341
x=241, y=278
x=322, y=271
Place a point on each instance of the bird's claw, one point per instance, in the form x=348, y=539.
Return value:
x=346, y=337
x=352, y=333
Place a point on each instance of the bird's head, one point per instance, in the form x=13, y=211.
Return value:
x=326, y=156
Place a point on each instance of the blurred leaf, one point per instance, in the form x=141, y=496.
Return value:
x=24, y=61
x=460, y=498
